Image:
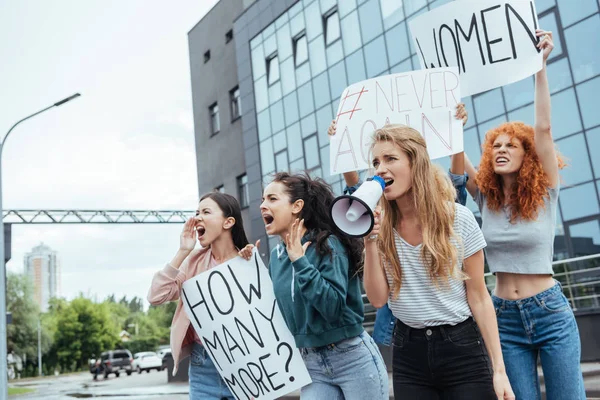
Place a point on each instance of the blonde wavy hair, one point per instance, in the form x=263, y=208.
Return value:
x=433, y=195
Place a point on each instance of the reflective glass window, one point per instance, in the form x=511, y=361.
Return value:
x=571, y=12
x=261, y=94
x=268, y=31
x=548, y=22
x=543, y=5
x=279, y=142
x=215, y=124
x=410, y=6
x=584, y=53
x=397, y=44
x=578, y=202
x=282, y=20
x=438, y=3
x=469, y=107
x=312, y=14
x=290, y=105
x=297, y=166
x=370, y=20
x=410, y=41
x=593, y=140
x=355, y=64
x=325, y=161
x=258, y=62
x=391, y=12
x=335, y=53
x=559, y=75
x=308, y=125
x=579, y=169
x=297, y=24
x=311, y=152
x=263, y=120
x=281, y=161
x=273, y=69
x=345, y=7
x=277, y=121
x=300, y=50
x=288, y=76
x=585, y=238
x=350, y=34
x=305, y=99
x=332, y=28
x=565, y=115
x=302, y=74
x=294, y=139
x=486, y=126
x=324, y=117
x=376, y=57
x=275, y=92
x=337, y=80
x=406, y=66
x=267, y=163
x=523, y=114
x=321, y=90
x=488, y=105
x=270, y=44
x=471, y=144
x=316, y=56
x=588, y=102
x=327, y=5
x=519, y=93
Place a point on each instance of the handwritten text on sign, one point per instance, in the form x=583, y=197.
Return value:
x=424, y=100
x=233, y=309
x=492, y=42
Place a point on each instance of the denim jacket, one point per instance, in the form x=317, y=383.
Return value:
x=385, y=321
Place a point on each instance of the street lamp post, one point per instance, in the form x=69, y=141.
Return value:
x=3, y=336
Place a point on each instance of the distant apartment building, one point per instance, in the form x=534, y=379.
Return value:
x=42, y=266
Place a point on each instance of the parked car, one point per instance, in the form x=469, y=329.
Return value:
x=162, y=353
x=146, y=361
x=112, y=362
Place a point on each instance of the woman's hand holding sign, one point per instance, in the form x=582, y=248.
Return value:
x=246, y=252
x=546, y=44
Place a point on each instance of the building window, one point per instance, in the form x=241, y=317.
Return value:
x=300, y=49
x=311, y=152
x=229, y=36
x=236, y=103
x=220, y=189
x=331, y=27
x=206, y=56
x=272, y=69
x=215, y=127
x=243, y=193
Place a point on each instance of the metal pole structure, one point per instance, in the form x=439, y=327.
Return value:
x=39, y=348
x=3, y=333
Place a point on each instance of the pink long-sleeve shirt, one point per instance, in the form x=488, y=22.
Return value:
x=166, y=286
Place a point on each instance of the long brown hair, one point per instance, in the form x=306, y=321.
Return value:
x=433, y=196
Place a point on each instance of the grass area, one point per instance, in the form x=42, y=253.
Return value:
x=14, y=391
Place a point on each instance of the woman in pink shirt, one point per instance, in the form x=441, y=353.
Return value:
x=219, y=228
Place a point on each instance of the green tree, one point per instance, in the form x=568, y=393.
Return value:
x=22, y=333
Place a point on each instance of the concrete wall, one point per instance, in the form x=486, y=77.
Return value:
x=219, y=158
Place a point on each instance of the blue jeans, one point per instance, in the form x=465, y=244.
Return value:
x=349, y=369
x=544, y=326
x=205, y=380
x=383, y=331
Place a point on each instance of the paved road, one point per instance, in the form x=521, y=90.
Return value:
x=151, y=386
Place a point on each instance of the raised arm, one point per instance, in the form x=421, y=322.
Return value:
x=544, y=144
x=374, y=277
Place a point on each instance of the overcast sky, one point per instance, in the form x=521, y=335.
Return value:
x=126, y=143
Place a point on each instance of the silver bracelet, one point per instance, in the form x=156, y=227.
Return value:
x=372, y=238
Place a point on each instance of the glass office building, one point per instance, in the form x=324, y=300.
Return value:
x=296, y=57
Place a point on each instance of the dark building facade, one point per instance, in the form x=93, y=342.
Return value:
x=295, y=57
x=217, y=105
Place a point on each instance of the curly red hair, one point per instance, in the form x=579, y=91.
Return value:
x=532, y=184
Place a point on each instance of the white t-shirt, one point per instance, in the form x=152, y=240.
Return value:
x=420, y=302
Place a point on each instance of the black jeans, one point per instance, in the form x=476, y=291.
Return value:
x=442, y=362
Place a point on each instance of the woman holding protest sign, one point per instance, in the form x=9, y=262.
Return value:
x=516, y=189
x=219, y=228
x=424, y=258
x=315, y=275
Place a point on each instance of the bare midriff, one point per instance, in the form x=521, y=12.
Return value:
x=521, y=286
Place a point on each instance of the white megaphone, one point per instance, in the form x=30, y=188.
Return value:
x=353, y=214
